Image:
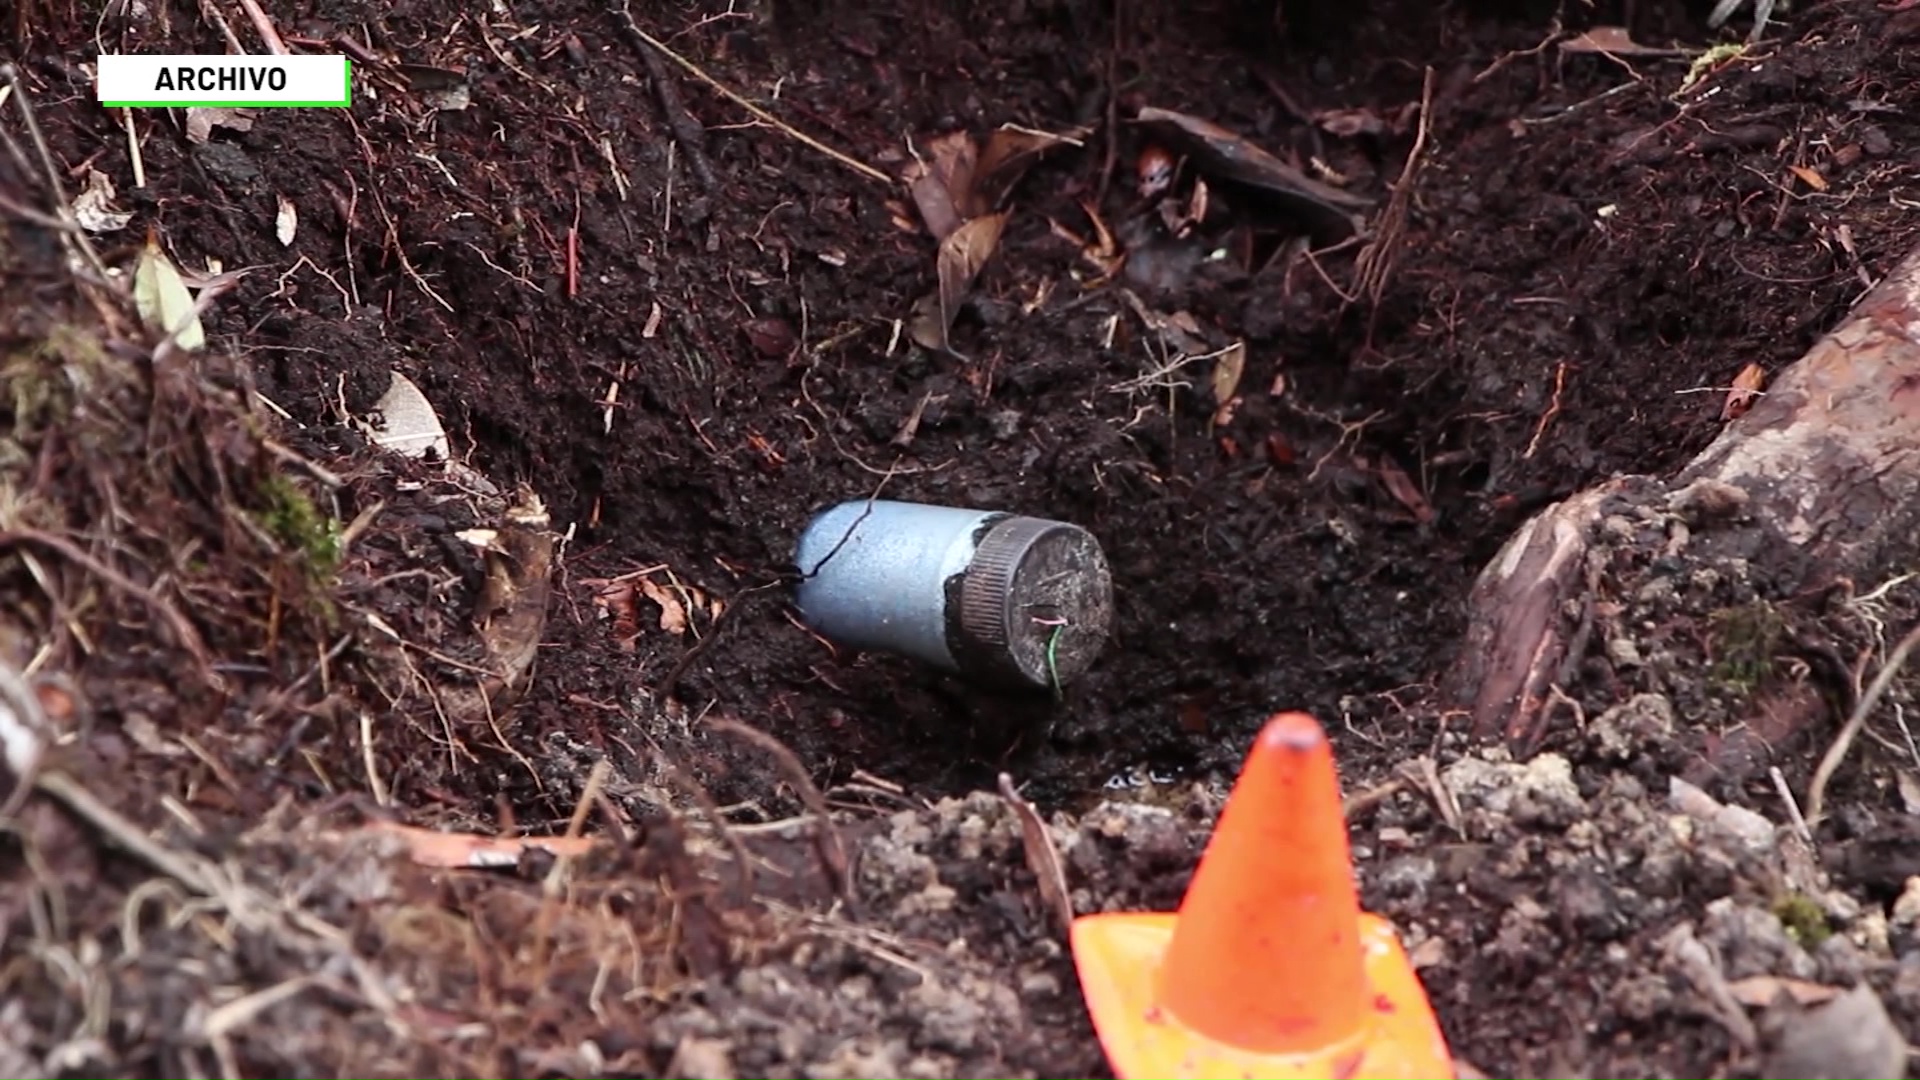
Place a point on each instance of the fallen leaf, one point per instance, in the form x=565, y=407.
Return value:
x=406, y=422
x=446, y=89
x=1226, y=379
x=1614, y=41
x=1280, y=450
x=202, y=119
x=1745, y=390
x=1042, y=857
x=673, y=614
x=1809, y=177
x=1759, y=991
x=1347, y=123
x=961, y=257
x=162, y=298
x=1009, y=153
x=616, y=598
x=940, y=181
x=286, y=222
x=1403, y=489
x=1225, y=155
x=94, y=209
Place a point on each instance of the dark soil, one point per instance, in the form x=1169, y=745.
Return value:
x=1586, y=250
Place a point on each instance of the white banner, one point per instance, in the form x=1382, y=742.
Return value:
x=143, y=81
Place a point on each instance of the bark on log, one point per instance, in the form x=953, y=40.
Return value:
x=1817, y=485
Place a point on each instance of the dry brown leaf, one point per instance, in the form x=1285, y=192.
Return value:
x=94, y=209
x=202, y=119
x=673, y=614
x=1403, y=489
x=1009, y=152
x=1613, y=41
x=1042, y=857
x=1226, y=155
x=1745, y=390
x=1809, y=177
x=1349, y=123
x=1226, y=380
x=1759, y=991
x=941, y=180
x=961, y=257
x=616, y=599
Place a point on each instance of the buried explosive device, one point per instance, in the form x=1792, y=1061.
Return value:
x=1005, y=599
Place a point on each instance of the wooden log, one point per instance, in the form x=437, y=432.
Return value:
x=1819, y=484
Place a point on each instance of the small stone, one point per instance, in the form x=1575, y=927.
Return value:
x=1707, y=500
x=1539, y=792
x=1624, y=653
x=1906, y=909
x=1640, y=721
x=702, y=1059
x=1850, y=1036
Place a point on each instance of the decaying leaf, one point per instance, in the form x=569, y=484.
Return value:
x=1225, y=382
x=510, y=613
x=940, y=181
x=407, y=423
x=446, y=89
x=286, y=222
x=616, y=598
x=1010, y=151
x=1809, y=177
x=162, y=298
x=958, y=179
x=961, y=257
x=1103, y=253
x=1613, y=41
x=1225, y=155
x=1404, y=490
x=1347, y=123
x=94, y=208
x=1747, y=387
x=202, y=119
x=1179, y=332
x=1042, y=857
x=673, y=613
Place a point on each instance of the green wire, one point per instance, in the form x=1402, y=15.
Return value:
x=1053, y=669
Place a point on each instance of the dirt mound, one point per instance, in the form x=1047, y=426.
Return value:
x=665, y=322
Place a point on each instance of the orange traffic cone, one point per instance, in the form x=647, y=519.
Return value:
x=1270, y=970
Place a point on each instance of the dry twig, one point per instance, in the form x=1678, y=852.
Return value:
x=833, y=851
x=649, y=41
x=1817, y=789
x=183, y=630
x=1374, y=265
